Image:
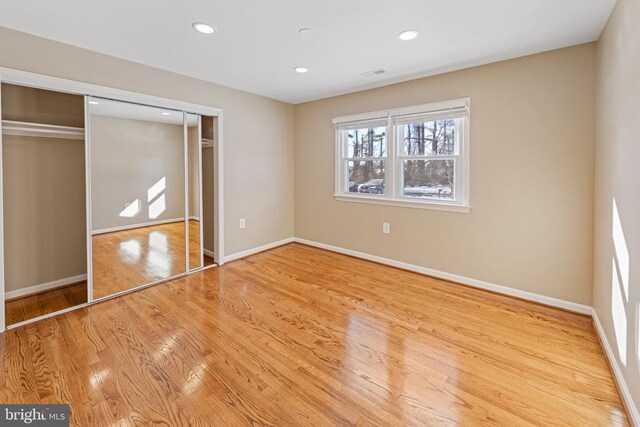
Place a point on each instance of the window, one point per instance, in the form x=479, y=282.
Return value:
x=415, y=156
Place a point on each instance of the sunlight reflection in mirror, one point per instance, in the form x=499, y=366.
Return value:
x=158, y=262
x=156, y=189
x=132, y=210
x=157, y=207
x=158, y=241
x=130, y=250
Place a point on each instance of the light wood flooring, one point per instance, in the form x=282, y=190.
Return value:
x=301, y=336
x=121, y=260
x=127, y=259
x=20, y=309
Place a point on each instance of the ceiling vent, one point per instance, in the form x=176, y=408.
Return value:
x=373, y=73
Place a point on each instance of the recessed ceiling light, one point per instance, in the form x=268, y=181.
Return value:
x=203, y=28
x=407, y=35
x=307, y=32
x=94, y=102
x=164, y=113
x=300, y=70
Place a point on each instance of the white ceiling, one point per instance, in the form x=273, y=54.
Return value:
x=257, y=42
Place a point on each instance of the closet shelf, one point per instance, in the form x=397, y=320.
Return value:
x=10, y=127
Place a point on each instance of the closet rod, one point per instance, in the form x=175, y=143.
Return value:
x=17, y=128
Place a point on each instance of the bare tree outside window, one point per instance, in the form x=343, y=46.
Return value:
x=370, y=145
x=424, y=175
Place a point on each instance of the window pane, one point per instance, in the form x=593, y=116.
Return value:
x=366, y=177
x=367, y=142
x=429, y=179
x=430, y=138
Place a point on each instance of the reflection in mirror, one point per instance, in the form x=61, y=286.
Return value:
x=208, y=130
x=137, y=195
x=44, y=193
x=193, y=187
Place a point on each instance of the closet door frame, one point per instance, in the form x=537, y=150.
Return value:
x=40, y=81
x=187, y=193
x=87, y=180
x=2, y=311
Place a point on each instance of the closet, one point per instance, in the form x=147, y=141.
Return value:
x=44, y=209
x=101, y=196
x=208, y=130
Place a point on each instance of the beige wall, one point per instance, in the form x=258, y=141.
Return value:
x=532, y=149
x=128, y=157
x=616, y=291
x=258, y=131
x=44, y=210
x=208, y=205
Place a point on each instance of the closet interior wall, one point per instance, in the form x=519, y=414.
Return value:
x=44, y=206
x=208, y=129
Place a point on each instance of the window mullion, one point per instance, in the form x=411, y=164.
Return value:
x=451, y=157
x=365, y=159
x=390, y=187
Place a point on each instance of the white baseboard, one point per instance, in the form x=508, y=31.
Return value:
x=132, y=226
x=194, y=218
x=209, y=253
x=554, y=302
x=617, y=372
x=45, y=286
x=252, y=251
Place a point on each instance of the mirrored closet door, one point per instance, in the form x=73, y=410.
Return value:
x=99, y=197
x=194, y=180
x=138, y=195
x=43, y=202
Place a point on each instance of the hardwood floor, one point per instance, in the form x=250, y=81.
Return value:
x=121, y=260
x=20, y=309
x=301, y=336
x=208, y=261
x=126, y=259
x=195, y=259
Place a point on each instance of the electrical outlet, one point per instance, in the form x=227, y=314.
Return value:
x=386, y=228
x=243, y=223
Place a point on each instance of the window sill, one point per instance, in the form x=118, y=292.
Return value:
x=416, y=204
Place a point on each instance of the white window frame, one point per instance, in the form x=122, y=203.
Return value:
x=393, y=161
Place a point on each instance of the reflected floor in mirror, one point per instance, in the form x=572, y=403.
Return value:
x=123, y=260
x=31, y=306
x=302, y=336
x=195, y=260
